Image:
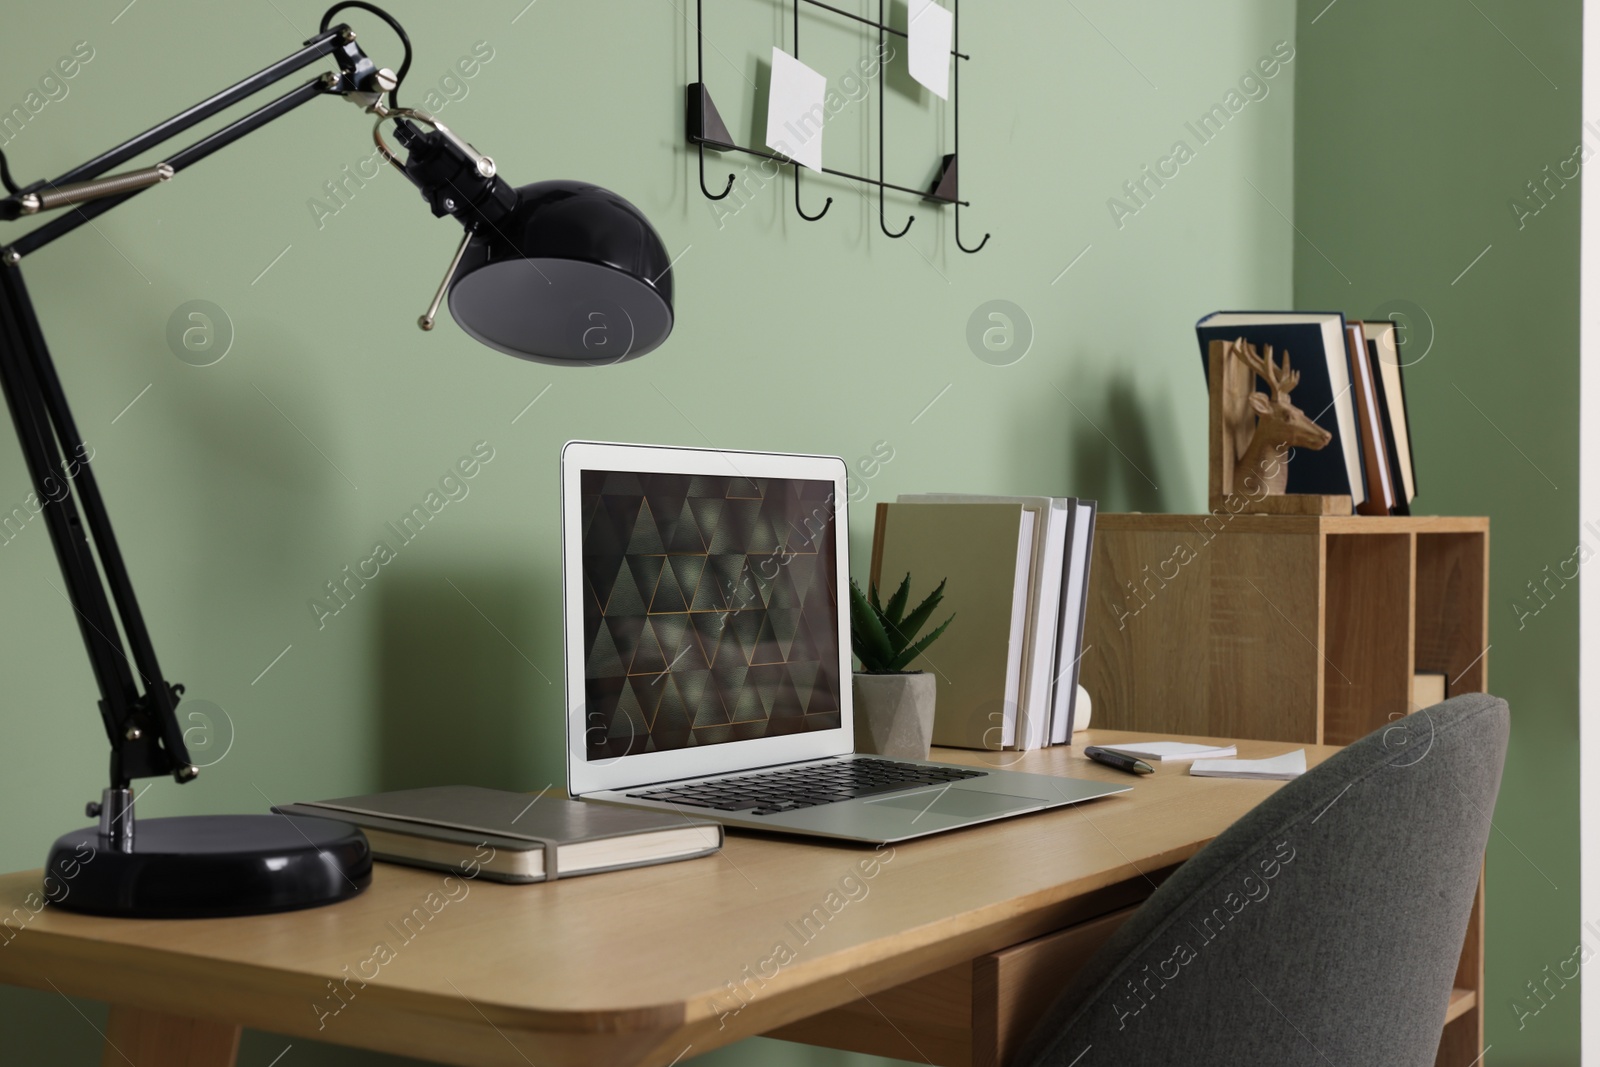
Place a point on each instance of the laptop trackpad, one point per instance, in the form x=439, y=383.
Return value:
x=958, y=803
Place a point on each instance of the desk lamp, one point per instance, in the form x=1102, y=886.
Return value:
x=538, y=269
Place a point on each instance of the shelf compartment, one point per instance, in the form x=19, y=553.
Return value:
x=1370, y=607
x=1453, y=608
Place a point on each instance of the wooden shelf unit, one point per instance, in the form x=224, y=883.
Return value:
x=1291, y=628
x=1282, y=628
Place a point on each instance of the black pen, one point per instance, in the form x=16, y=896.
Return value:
x=1118, y=760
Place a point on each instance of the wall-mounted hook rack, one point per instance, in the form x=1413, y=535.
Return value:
x=707, y=130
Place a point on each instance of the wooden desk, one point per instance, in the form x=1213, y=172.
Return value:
x=652, y=965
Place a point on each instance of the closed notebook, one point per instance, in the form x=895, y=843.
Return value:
x=514, y=837
x=983, y=553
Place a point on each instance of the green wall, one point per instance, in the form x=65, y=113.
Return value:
x=1416, y=128
x=241, y=488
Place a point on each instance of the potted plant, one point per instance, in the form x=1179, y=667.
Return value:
x=893, y=706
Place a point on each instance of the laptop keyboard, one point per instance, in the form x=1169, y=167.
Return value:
x=793, y=788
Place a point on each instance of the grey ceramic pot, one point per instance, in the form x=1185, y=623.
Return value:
x=894, y=714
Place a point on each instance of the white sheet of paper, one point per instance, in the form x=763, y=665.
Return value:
x=1174, y=751
x=795, y=110
x=930, y=30
x=1289, y=765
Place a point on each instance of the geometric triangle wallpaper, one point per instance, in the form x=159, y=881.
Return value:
x=710, y=610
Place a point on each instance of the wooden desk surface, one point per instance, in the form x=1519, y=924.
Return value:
x=641, y=966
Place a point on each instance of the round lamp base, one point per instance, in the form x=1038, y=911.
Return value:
x=206, y=866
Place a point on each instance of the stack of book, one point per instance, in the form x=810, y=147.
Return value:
x=1352, y=386
x=1016, y=573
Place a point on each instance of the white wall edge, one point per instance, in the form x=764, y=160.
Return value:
x=1589, y=506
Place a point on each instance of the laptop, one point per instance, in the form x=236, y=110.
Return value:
x=706, y=604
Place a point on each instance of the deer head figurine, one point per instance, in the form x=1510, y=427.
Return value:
x=1279, y=424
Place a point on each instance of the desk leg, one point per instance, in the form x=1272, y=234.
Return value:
x=139, y=1038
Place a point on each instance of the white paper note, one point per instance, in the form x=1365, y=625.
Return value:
x=1174, y=751
x=1279, y=768
x=795, y=110
x=930, y=31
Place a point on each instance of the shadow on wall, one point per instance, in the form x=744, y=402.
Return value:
x=465, y=692
x=1115, y=458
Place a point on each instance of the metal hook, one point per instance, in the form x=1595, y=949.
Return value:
x=955, y=11
x=802, y=211
x=709, y=194
x=911, y=218
x=797, y=168
x=961, y=246
x=885, y=226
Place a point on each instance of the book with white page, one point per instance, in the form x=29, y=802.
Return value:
x=984, y=553
x=1173, y=751
x=1074, y=616
x=1278, y=768
x=1045, y=587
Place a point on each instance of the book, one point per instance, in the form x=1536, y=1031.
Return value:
x=1391, y=449
x=513, y=837
x=983, y=553
x=1383, y=342
x=1074, y=613
x=1427, y=689
x=1057, y=609
x=1050, y=519
x=1174, y=751
x=1316, y=341
x=1381, y=497
x=1277, y=769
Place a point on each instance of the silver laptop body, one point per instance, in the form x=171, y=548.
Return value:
x=706, y=609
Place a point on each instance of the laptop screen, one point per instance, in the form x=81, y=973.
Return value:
x=710, y=610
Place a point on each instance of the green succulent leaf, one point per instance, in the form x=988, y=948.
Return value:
x=880, y=638
x=868, y=638
x=897, y=603
x=904, y=659
x=914, y=622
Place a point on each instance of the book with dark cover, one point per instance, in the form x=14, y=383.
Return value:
x=1316, y=344
x=1382, y=492
x=514, y=837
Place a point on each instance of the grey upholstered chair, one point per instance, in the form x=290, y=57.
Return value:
x=1323, y=928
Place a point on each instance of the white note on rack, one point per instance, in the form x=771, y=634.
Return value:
x=795, y=110
x=930, y=33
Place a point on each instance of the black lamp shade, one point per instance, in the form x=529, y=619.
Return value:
x=574, y=275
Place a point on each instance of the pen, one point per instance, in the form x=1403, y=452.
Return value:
x=1118, y=760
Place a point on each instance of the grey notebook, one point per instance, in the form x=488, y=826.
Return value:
x=513, y=837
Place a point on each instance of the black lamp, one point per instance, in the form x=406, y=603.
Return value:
x=573, y=274
x=556, y=272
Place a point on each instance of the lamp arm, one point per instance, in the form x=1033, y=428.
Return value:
x=142, y=728
x=357, y=75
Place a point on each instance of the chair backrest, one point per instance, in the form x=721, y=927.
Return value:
x=1324, y=927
